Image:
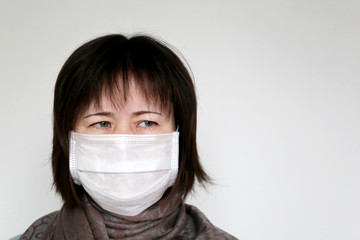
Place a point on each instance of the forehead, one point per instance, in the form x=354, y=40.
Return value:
x=131, y=99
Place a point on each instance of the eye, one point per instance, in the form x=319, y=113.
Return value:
x=101, y=125
x=147, y=124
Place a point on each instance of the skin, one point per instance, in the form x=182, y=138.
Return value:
x=136, y=116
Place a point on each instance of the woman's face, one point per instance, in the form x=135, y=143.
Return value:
x=136, y=116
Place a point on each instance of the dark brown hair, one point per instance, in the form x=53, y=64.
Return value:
x=110, y=63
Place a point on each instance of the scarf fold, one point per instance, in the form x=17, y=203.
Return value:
x=169, y=218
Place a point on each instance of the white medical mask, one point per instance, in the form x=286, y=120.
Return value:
x=124, y=174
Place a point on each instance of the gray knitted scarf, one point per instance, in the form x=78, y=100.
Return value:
x=169, y=218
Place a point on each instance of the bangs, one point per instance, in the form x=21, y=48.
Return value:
x=119, y=87
x=116, y=67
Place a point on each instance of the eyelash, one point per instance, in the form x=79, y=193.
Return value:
x=109, y=124
x=147, y=122
x=102, y=122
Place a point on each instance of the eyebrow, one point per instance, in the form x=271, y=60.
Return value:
x=99, y=114
x=144, y=112
x=137, y=113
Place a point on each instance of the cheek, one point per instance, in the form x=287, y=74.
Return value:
x=78, y=128
x=166, y=124
x=79, y=125
x=171, y=123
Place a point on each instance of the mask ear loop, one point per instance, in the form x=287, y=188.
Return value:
x=177, y=129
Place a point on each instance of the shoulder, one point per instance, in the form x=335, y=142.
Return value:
x=16, y=237
x=40, y=226
x=205, y=227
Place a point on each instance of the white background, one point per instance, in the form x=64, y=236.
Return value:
x=279, y=106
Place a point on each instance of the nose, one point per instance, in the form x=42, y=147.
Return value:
x=124, y=128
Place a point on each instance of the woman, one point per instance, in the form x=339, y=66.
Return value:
x=124, y=147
